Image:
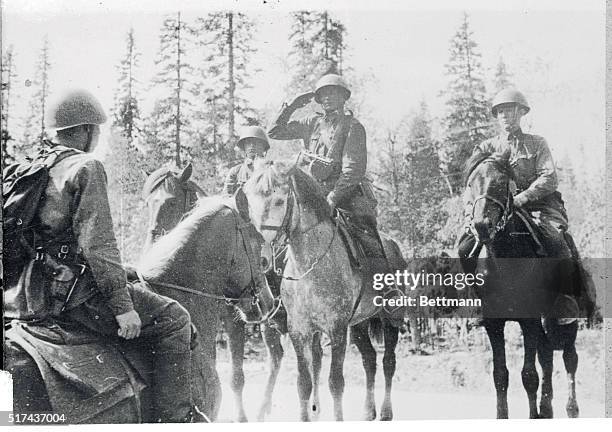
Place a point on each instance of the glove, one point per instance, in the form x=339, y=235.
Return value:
x=302, y=100
x=520, y=200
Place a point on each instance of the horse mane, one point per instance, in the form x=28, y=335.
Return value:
x=164, y=251
x=501, y=161
x=273, y=175
x=310, y=194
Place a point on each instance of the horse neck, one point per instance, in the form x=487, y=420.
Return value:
x=312, y=241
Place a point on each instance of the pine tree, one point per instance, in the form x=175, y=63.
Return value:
x=9, y=76
x=34, y=130
x=414, y=210
x=467, y=121
x=226, y=39
x=503, y=78
x=174, y=79
x=317, y=47
x=126, y=112
x=125, y=180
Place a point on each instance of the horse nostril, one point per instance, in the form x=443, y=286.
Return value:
x=264, y=262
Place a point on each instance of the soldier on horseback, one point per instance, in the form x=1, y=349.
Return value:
x=535, y=191
x=335, y=153
x=74, y=226
x=254, y=143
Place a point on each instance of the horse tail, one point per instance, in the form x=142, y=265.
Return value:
x=376, y=330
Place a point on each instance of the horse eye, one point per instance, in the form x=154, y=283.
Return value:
x=279, y=202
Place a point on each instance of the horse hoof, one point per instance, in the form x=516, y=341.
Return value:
x=572, y=410
x=369, y=414
x=386, y=416
x=546, y=412
x=386, y=413
x=242, y=419
x=315, y=411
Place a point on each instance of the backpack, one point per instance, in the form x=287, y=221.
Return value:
x=23, y=192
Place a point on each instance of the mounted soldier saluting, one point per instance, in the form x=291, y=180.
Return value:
x=535, y=195
x=73, y=231
x=335, y=153
x=254, y=143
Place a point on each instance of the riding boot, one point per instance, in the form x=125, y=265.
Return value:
x=468, y=256
x=585, y=291
x=172, y=387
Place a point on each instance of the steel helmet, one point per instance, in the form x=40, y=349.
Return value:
x=253, y=132
x=332, y=80
x=75, y=108
x=509, y=95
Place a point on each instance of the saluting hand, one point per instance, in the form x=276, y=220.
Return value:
x=302, y=100
x=129, y=325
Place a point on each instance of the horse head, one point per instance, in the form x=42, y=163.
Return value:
x=168, y=195
x=248, y=289
x=488, y=185
x=212, y=253
x=283, y=201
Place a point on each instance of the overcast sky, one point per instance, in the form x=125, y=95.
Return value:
x=404, y=45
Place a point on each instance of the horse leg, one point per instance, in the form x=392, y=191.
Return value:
x=317, y=358
x=361, y=338
x=304, y=379
x=531, y=335
x=495, y=331
x=336, y=371
x=275, y=355
x=545, y=357
x=235, y=331
x=391, y=338
x=570, y=359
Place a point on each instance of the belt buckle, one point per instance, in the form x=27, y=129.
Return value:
x=63, y=253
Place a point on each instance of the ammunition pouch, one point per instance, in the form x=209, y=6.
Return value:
x=45, y=286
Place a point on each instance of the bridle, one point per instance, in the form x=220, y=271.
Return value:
x=253, y=289
x=190, y=198
x=282, y=239
x=507, y=207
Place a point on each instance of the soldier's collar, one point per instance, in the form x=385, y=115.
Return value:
x=517, y=134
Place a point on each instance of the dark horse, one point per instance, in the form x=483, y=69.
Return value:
x=210, y=257
x=519, y=286
x=169, y=195
x=321, y=289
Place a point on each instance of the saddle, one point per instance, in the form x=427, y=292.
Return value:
x=366, y=254
x=86, y=378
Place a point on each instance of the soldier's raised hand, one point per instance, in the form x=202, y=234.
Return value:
x=129, y=325
x=302, y=100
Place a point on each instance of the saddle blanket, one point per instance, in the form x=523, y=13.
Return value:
x=85, y=377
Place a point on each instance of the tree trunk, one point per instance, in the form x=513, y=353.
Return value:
x=231, y=82
x=177, y=136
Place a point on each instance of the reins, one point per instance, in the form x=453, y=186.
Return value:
x=281, y=240
x=507, y=208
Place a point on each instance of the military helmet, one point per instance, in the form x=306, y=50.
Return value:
x=75, y=108
x=332, y=80
x=253, y=132
x=509, y=95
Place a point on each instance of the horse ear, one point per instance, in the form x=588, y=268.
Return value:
x=186, y=173
x=242, y=204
